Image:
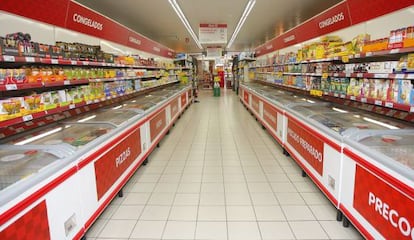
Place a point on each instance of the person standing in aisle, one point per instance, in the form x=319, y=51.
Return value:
x=195, y=89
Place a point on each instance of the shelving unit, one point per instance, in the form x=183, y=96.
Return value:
x=311, y=83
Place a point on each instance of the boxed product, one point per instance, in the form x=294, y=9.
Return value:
x=326, y=84
x=405, y=92
x=18, y=44
x=382, y=67
x=50, y=100
x=10, y=108
x=353, y=87
x=31, y=104
x=395, y=90
x=364, y=85
x=73, y=96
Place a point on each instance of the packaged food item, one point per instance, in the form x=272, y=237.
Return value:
x=31, y=103
x=10, y=108
x=404, y=92
x=50, y=100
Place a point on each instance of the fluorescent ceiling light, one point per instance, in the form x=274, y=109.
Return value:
x=29, y=140
x=380, y=123
x=87, y=119
x=310, y=101
x=243, y=18
x=183, y=19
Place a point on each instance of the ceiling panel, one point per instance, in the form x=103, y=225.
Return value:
x=158, y=21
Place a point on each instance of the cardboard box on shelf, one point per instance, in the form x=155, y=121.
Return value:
x=405, y=92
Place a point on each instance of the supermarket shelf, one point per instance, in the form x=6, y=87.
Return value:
x=23, y=60
x=409, y=76
x=367, y=56
x=21, y=86
x=90, y=104
x=392, y=109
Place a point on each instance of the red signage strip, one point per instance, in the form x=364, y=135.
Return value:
x=174, y=108
x=157, y=124
x=209, y=25
x=307, y=145
x=386, y=209
x=256, y=104
x=340, y=16
x=110, y=166
x=183, y=100
x=359, y=13
x=32, y=225
x=71, y=15
x=270, y=116
x=48, y=11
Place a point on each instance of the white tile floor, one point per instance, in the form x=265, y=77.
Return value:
x=218, y=175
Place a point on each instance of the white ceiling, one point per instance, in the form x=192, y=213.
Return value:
x=157, y=20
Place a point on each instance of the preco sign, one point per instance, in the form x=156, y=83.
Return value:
x=389, y=211
x=87, y=22
x=332, y=20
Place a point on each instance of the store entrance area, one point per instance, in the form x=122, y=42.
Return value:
x=219, y=175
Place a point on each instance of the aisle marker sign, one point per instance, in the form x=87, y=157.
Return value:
x=212, y=33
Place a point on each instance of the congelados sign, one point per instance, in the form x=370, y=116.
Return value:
x=307, y=145
x=332, y=20
x=87, y=21
x=389, y=211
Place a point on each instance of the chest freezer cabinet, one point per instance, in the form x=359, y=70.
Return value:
x=114, y=115
x=378, y=183
x=315, y=136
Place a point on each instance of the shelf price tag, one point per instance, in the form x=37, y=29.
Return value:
x=66, y=82
x=353, y=98
x=11, y=87
x=357, y=55
x=368, y=54
x=88, y=102
x=30, y=59
x=54, y=61
x=360, y=75
x=9, y=58
x=85, y=63
x=324, y=75
x=399, y=76
x=378, y=102
x=412, y=109
x=347, y=75
x=27, y=118
x=72, y=106
x=364, y=100
x=317, y=93
x=73, y=62
x=380, y=75
x=345, y=59
x=397, y=50
x=336, y=95
x=389, y=104
x=410, y=76
x=342, y=96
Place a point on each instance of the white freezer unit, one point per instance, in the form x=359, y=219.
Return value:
x=315, y=135
x=66, y=173
x=378, y=183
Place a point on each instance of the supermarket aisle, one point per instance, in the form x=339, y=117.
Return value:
x=218, y=175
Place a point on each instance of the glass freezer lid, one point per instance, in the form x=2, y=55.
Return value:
x=74, y=134
x=340, y=121
x=399, y=147
x=17, y=164
x=138, y=104
x=115, y=115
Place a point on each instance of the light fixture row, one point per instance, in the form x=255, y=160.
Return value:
x=187, y=25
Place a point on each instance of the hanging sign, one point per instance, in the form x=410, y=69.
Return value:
x=212, y=33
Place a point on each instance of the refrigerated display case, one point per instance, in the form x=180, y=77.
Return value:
x=315, y=136
x=80, y=163
x=378, y=183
